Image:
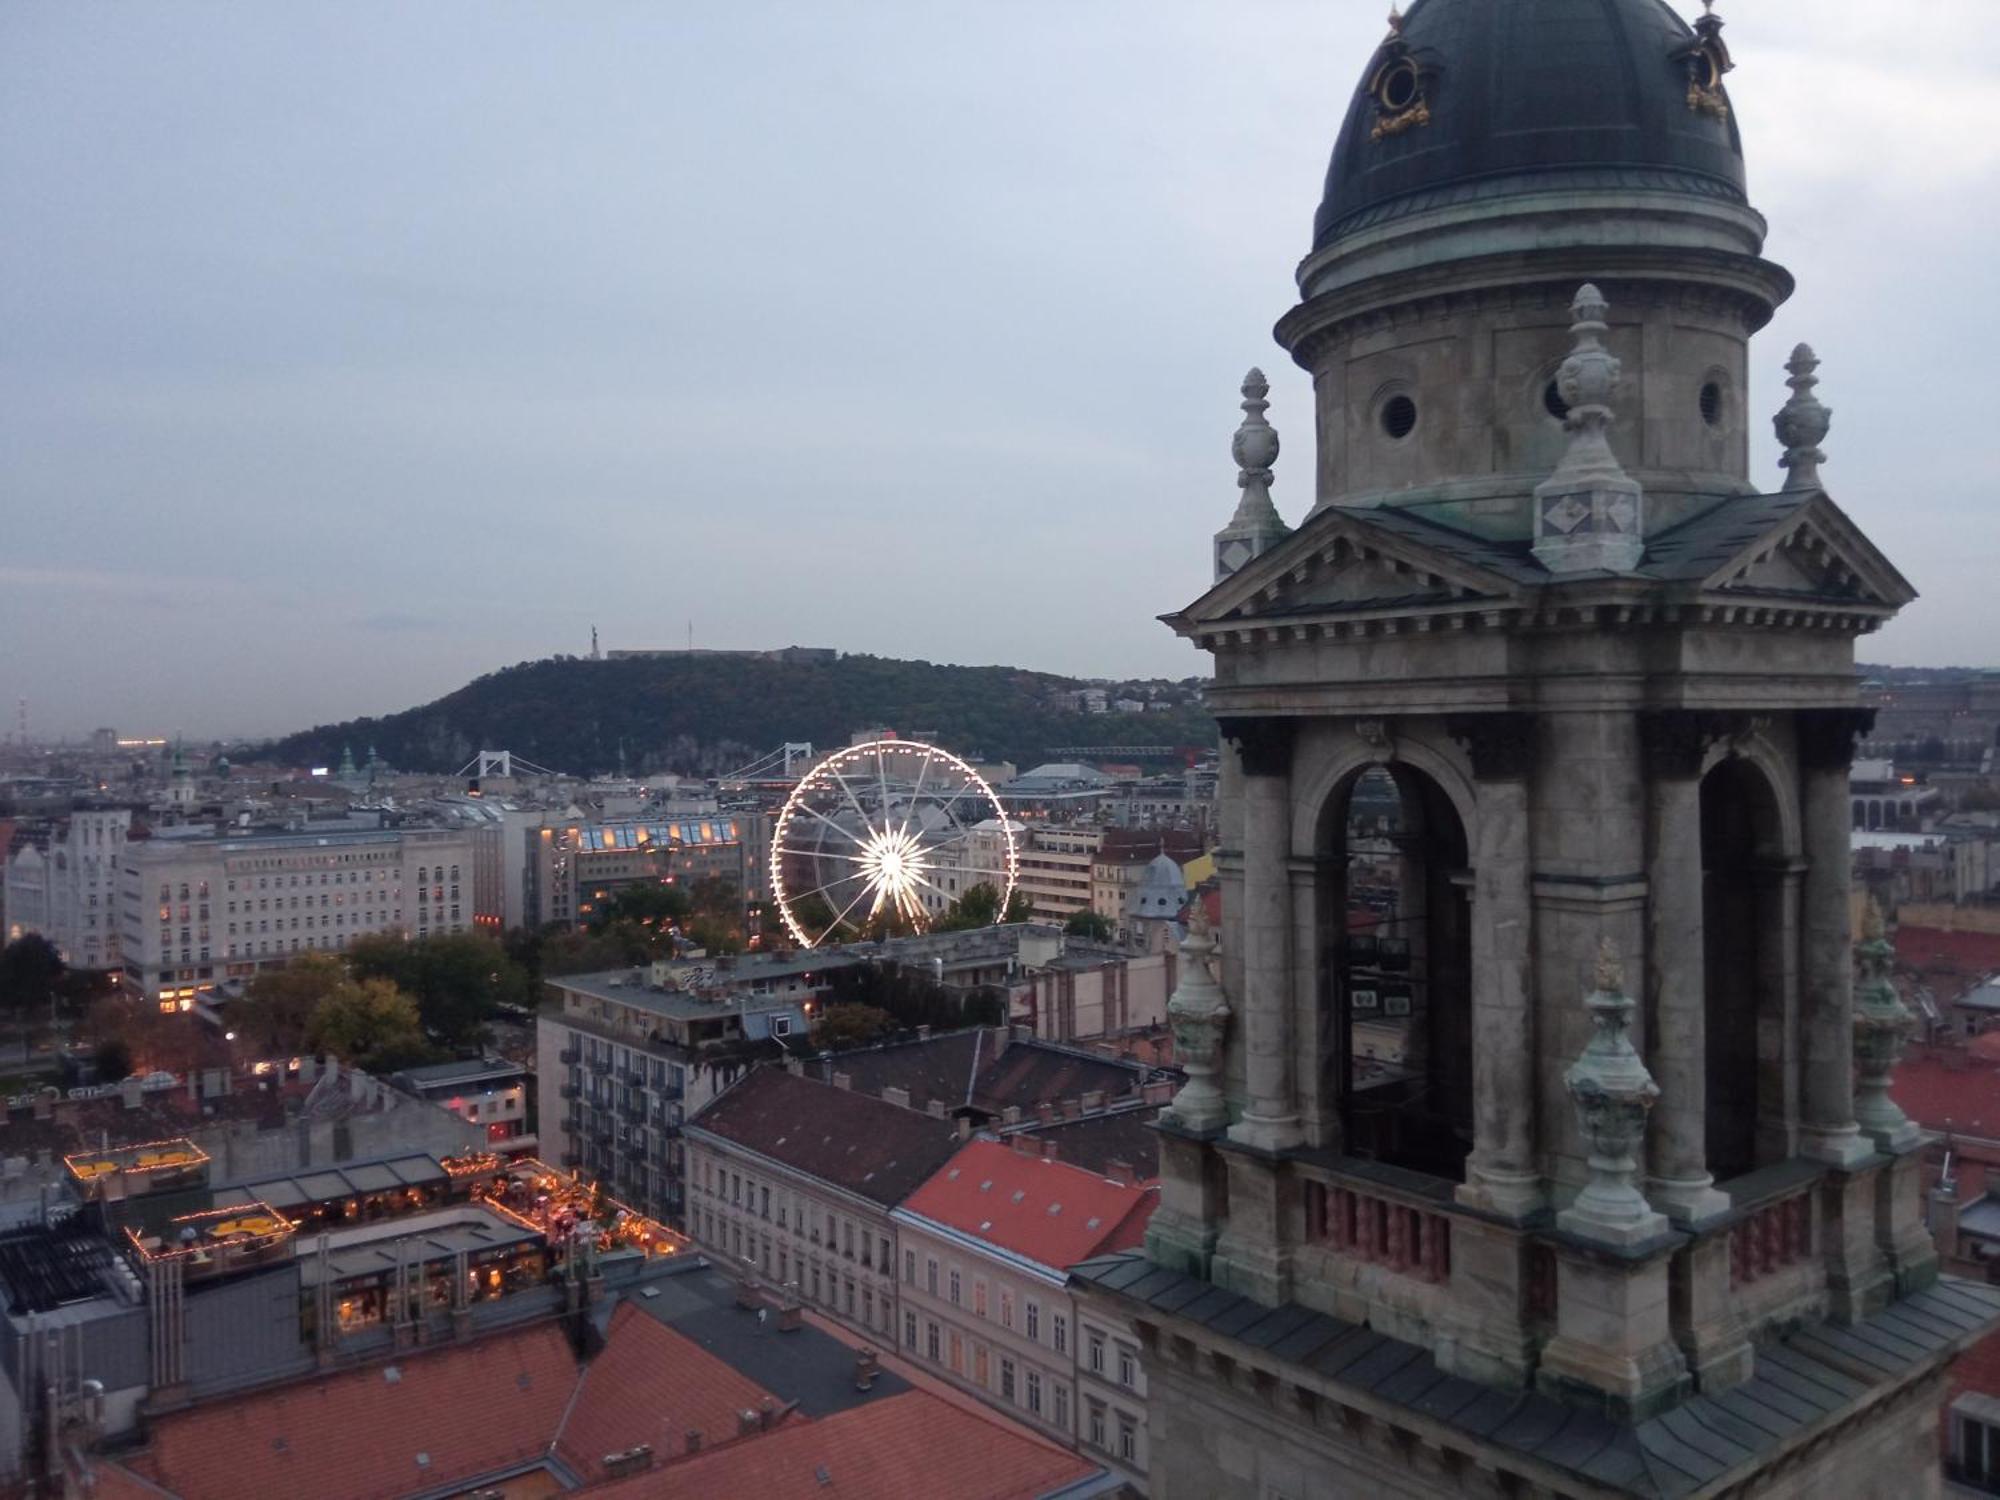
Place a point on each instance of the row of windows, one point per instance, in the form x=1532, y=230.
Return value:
x=826, y=1285
x=945, y=1346
x=840, y=1234
x=951, y=1286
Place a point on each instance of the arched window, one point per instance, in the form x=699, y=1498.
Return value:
x=1744, y=967
x=1396, y=897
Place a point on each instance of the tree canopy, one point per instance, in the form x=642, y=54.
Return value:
x=30, y=971
x=459, y=982
x=1089, y=924
x=369, y=1024
x=711, y=715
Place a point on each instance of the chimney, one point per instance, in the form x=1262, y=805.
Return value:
x=866, y=1367
x=691, y=1440
x=767, y=1413
x=965, y=1127
x=843, y=1080
x=924, y=1032
x=935, y=1109
x=894, y=1095
x=1045, y=1112
x=1160, y=1091
x=1011, y=1115
x=748, y=1421
x=1025, y=1144
x=1944, y=1220
x=1093, y=1102
x=1121, y=1173
x=1051, y=1151
x=795, y=1065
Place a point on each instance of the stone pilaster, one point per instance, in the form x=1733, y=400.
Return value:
x=1676, y=743
x=1706, y=1325
x=1194, y=1198
x=1826, y=751
x=1270, y=1119
x=1502, y=1175
x=1251, y=1254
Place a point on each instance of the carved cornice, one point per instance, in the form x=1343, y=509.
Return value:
x=1675, y=741
x=1826, y=736
x=1502, y=746
x=1264, y=743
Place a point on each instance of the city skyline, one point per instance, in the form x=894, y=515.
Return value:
x=348, y=364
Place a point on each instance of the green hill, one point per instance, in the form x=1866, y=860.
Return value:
x=707, y=715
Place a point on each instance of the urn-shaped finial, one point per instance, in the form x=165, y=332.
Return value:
x=1256, y=526
x=1613, y=1094
x=1589, y=514
x=1882, y=1027
x=1199, y=1015
x=1802, y=422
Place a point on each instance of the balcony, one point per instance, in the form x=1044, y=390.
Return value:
x=571, y=1092
x=572, y=1159
x=634, y=1078
x=670, y=1093
x=572, y=1122
x=600, y=1066
x=1381, y=1229
x=569, y=1057
x=634, y=1110
x=601, y=1137
x=668, y=1128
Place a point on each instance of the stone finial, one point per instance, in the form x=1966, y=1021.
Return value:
x=1199, y=1015
x=1613, y=1094
x=1395, y=20
x=1589, y=514
x=1882, y=1026
x=1802, y=422
x=1256, y=526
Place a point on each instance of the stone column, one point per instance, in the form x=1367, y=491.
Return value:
x=1826, y=751
x=1679, y=1184
x=1270, y=1120
x=1502, y=1175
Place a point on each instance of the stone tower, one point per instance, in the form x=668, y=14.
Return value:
x=1526, y=1157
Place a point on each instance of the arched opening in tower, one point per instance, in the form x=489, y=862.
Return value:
x=1743, y=968
x=1399, y=997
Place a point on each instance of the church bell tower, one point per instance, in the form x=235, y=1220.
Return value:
x=1535, y=1140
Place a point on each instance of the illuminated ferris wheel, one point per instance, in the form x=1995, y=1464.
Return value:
x=889, y=833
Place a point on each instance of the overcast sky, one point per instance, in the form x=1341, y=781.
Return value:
x=348, y=351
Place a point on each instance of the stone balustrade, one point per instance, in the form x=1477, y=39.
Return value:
x=1380, y=1230
x=1770, y=1238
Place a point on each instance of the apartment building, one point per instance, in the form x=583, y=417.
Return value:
x=629, y=1055
x=793, y=1183
x=196, y=909
x=68, y=892
x=1055, y=870
x=984, y=1251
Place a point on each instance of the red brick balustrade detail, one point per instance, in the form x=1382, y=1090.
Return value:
x=1770, y=1239
x=1381, y=1231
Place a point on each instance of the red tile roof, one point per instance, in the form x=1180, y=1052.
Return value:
x=651, y=1385
x=472, y=1410
x=1049, y=1211
x=912, y=1445
x=468, y=1411
x=1942, y=957
x=1943, y=1092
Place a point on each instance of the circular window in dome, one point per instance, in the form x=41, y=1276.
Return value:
x=1399, y=417
x=1397, y=87
x=1553, y=403
x=1711, y=403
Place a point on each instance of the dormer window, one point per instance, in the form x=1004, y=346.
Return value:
x=1401, y=91
x=1706, y=61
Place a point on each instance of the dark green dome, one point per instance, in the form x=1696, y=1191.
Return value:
x=1476, y=100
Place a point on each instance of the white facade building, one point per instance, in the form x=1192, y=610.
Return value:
x=195, y=910
x=68, y=893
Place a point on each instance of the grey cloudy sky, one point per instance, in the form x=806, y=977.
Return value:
x=350, y=350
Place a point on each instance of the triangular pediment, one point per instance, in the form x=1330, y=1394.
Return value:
x=1815, y=552
x=1344, y=562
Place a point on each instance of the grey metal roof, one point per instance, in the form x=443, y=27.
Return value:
x=1536, y=95
x=1801, y=1379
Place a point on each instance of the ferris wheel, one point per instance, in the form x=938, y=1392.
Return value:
x=892, y=831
